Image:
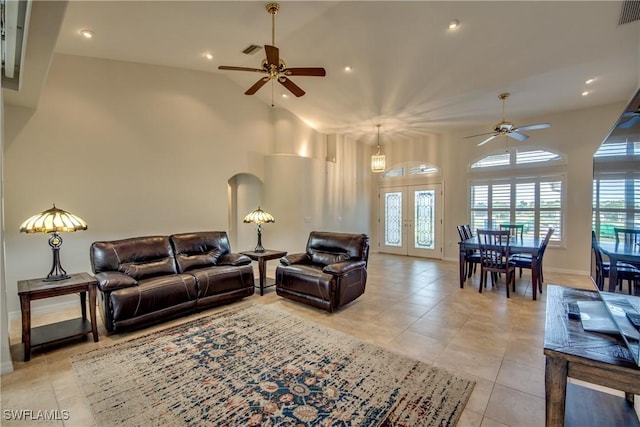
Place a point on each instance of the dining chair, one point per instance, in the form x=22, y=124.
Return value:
x=517, y=230
x=629, y=236
x=526, y=260
x=625, y=271
x=494, y=257
x=472, y=257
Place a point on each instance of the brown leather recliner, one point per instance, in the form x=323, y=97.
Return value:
x=332, y=272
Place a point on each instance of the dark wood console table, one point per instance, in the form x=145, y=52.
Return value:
x=262, y=258
x=34, y=289
x=573, y=352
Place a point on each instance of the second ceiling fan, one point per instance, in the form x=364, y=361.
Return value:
x=509, y=129
x=274, y=67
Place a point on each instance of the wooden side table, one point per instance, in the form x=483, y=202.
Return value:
x=262, y=258
x=34, y=289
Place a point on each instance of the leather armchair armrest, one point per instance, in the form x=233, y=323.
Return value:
x=112, y=280
x=344, y=267
x=295, y=259
x=233, y=259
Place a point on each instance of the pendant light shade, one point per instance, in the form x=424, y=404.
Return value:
x=378, y=159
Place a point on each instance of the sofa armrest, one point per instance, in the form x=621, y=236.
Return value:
x=112, y=280
x=295, y=259
x=233, y=259
x=344, y=267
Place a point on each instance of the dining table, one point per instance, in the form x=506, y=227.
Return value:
x=619, y=252
x=524, y=245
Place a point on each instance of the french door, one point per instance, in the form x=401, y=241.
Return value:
x=411, y=220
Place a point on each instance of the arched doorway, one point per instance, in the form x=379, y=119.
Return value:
x=245, y=192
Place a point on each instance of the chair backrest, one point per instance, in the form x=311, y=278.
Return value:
x=629, y=236
x=461, y=232
x=328, y=247
x=494, y=248
x=545, y=242
x=467, y=231
x=516, y=229
x=598, y=258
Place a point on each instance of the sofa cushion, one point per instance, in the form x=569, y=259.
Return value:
x=355, y=245
x=138, y=257
x=326, y=258
x=153, y=294
x=305, y=279
x=199, y=249
x=220, y=279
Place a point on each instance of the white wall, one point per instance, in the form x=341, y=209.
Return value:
x=132, y=149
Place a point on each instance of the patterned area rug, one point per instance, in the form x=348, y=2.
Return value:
x=257, y=365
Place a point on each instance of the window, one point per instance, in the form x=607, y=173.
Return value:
x=515, y=157
x=411, y=169
x=535, y=202
x=616, y=188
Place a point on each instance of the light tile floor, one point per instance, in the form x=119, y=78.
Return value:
x=411, y=306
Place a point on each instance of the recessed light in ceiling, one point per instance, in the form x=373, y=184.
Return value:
x=589, y=81
x=585, y=93
x=87, y=34
x=284, y=95
x=208, y=55
x=348, y=68
x=453, y=24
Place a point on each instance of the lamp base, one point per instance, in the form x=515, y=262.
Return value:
x=57, y=272
x=259, y=247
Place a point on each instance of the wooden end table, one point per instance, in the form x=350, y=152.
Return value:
x=571, y=351
x=34, y=289
x=262, y=258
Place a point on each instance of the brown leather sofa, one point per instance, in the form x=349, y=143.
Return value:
x=145, y=280
x=331, y=273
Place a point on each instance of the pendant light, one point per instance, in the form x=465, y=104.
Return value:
x=378, y=159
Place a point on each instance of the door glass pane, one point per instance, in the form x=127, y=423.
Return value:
x=393, y=219
x=424, y=219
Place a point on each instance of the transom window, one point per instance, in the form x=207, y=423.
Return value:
x=411, y=169
x=516, y=157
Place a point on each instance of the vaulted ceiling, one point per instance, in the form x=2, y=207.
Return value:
x=410, y=72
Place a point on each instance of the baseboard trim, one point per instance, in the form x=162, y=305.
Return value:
x=6, y=367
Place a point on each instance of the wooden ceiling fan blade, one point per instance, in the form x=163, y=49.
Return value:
x=273, y=55
x=534, y=127
x=257, y=85
x=294, y=88
x=487, y=140
x=256, y=70
x=517, y=136
x=302, y=71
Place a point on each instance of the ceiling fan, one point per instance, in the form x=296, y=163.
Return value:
x=509, y=129
x=274, y=67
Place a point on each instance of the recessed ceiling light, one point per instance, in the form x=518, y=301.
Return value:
x=453, y=24
x=589, y=81
x=284, y=95
x=87, y=34
x=208, y=55
x=585, y=93
x=348, y=68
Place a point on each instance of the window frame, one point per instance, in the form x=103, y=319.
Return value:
x=557, y=239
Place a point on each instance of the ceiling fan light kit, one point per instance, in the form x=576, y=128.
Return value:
x=274, y=67
x=508, y=129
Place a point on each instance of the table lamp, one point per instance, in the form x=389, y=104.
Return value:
x=53, y=221
x=259, y=217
